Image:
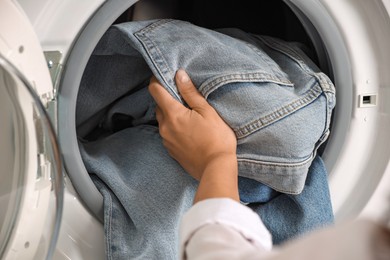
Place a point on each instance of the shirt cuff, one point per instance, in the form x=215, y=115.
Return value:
x=227, y=212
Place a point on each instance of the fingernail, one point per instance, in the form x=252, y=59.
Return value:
x=183, y=76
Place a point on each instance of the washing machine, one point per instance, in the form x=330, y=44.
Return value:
x=50, y=208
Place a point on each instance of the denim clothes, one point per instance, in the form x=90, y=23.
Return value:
x=272, y=95
x=145, y=193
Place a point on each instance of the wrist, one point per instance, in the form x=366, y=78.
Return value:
x=219, y=179
x=222, y=161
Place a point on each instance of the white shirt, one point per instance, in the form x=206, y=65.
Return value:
x=225, y=229
x=222, y=229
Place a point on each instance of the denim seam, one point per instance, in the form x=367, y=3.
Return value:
x=297, y=58
x=278, y=188
x=156, y=57
x=323, y=81
x=287, y=50
x=286, y=173
x=282, y=112
x=271, y=64
x=281, y=190
x=213, y=84
x=156, y=24
x=108, y=222
x=277, y=164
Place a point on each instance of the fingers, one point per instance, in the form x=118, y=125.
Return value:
x=163, y=99
x=186, y=88
x=188, y=91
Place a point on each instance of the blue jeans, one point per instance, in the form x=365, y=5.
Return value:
x=267, y=90
x=273, y=97
x=288, y=216
x=145, y=193
x=145, y=196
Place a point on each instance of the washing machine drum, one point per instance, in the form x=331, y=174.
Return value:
x=318, y=25
x=68, y=92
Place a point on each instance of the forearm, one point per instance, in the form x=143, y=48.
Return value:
x=219, y=179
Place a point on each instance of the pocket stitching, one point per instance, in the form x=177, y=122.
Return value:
x=210, y=85
x=282, y=112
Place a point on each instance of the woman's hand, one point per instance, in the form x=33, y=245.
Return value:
x=196, y=137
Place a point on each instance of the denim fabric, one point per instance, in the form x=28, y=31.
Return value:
x=145, y=193
x=289, y=216
x=145, y=196
x=278, y=104
x=252, y=191
x=268, y=91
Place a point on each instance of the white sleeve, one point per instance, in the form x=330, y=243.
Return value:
x=222, y=229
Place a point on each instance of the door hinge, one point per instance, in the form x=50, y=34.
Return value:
x=54, y=63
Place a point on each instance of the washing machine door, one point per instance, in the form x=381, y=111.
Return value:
x=31, y=182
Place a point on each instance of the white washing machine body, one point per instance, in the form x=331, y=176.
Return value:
x=46, y=44
x=34, y=207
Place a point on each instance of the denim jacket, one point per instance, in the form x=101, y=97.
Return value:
x=269, y=92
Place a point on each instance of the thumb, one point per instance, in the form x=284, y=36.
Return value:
x=188, y=91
